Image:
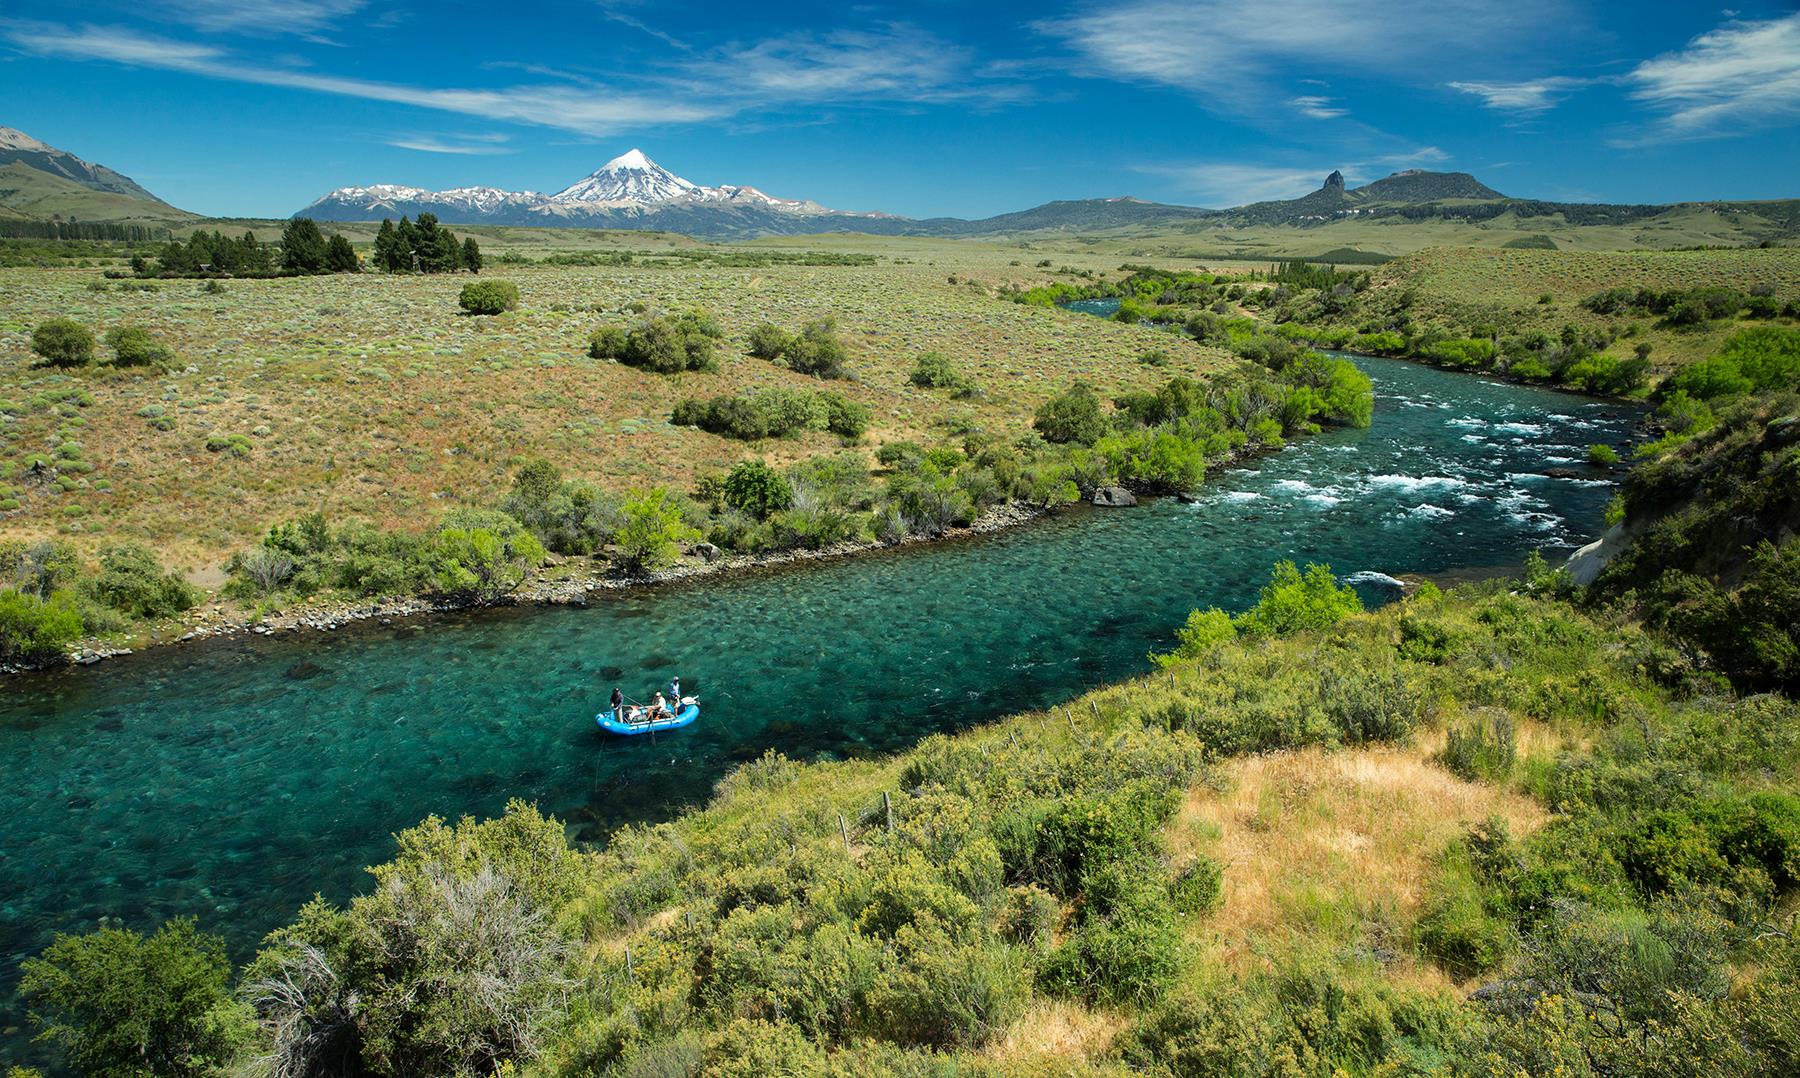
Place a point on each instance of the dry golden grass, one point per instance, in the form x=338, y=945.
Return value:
x=371, y=396
x=1332, y=848
x=1057, y=1030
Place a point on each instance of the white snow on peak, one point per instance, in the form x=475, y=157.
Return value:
x=631, y=159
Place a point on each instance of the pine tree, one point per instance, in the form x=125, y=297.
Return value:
x=407, y=247
x=449, y=253
x=387, y=248
x=471, y=255
x=340, y=257
x=302, y=246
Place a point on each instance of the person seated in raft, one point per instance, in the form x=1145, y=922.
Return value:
x=618, y=703
x=659, y=709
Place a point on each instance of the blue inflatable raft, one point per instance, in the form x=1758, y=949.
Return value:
x=613, y=724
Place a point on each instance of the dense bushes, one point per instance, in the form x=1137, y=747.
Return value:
x=664, y=344
x=36, y=629
x=1290, y=602
x=134, y=347
x=774, y=413
x=1762, y=359
x=131, y=582
x=1071, y=417
x=119, y=1003
x=816, y=350
x=488, y=297
x=934, y=370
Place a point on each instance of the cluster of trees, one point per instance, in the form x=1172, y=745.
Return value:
x=815, y=350
x=1692, y=306
x=423, y=246
x=80, y=230
x=50, y=597
x=303, y=251
x=774, y=412
x=665, y=344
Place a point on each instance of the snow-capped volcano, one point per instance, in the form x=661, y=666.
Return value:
x=630, y=178
x=630, y=191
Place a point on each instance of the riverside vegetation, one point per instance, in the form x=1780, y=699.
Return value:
x=944, y=448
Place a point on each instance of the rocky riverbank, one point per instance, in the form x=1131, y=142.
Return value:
x=566, y=582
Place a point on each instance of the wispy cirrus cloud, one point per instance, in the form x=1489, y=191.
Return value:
x=472, y=145
x=1739, y=78
x=1317, y=107
x=1238, y=57
x=1529, y=97
x=306, y=18
x=888, y=65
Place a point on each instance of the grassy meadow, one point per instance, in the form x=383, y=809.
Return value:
x=373, y=396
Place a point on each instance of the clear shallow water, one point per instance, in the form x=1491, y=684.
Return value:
x=232, y=780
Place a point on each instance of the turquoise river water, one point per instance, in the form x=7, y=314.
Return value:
x=231, y=780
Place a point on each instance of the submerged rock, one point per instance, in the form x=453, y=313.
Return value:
x=1114, y=497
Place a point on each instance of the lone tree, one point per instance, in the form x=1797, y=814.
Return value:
x=303, y=248
x=63, y=342
x=471, y=255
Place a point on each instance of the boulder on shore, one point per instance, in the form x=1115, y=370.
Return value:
x=1114, y=497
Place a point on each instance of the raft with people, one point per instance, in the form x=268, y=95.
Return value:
x=660, y=714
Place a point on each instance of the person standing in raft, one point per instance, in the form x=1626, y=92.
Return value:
x=675, y=693
x=618, y=704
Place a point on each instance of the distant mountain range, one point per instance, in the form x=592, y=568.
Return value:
x=632, y=192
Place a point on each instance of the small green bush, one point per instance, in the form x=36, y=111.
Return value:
x=1483, y=748
x=488, y=297
x=1603, y=455
x=664, y=344
x=1071, y=417
x=134, y=347
x=131, y=582
x=63, y=342
x=755, y=488
x=34, y=629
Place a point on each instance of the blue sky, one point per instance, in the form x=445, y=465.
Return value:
x=255, y=107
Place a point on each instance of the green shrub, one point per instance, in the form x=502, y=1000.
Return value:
x=935, y=371
x=768, y=341
x=817, y=351
x=131, y=582
x=1197, y=887
x=652, y=530
x=663, y=344
x=134, y=347
x=1290, y=602
x=773, y=413
x=1603, y=455
x=755, y=488
x=1071, y=417
x=120, y=1004
x=37, y=629
x=1483, y=748
x=568, y=517
x=63, y=342
x=236, y=445
x=488, y=297
x=482, y=556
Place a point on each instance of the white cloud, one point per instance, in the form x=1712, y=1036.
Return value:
x=890, y=63
x=1741, y=77
x=1236, y=55
x=475, y=145
x=893, y=65
x=590, y=111
x=1528, y=97
x=1317, y=107
x=263, y=17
